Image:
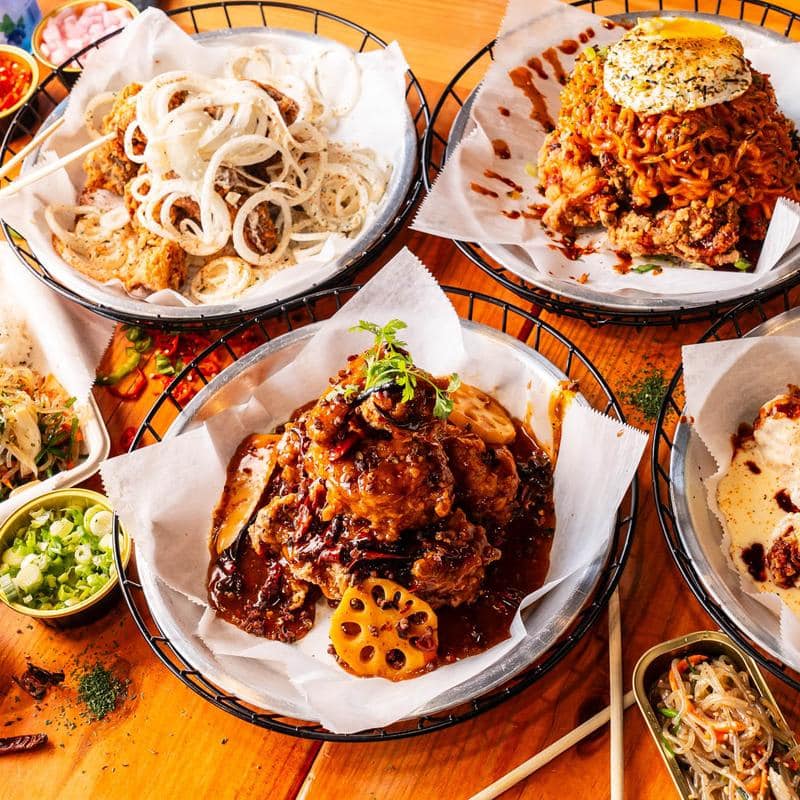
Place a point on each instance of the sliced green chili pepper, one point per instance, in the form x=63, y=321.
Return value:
x=131, y=362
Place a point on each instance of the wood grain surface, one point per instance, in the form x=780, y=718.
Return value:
x=166, y=742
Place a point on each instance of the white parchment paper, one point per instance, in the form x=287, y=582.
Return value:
x=726, y=384
x=167, y=505
x=68, y=342
x=453, y=210
x=153, y=45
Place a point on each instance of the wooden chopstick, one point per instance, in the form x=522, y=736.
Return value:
x=616, y=705
x=40, y=137
x=48, y=169
x=549, y=753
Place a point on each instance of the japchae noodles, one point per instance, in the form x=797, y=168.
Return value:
x=732, y=744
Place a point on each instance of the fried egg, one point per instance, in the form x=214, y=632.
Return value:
x=675, y=64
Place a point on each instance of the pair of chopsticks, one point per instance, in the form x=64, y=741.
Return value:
x=47, y=169
x=612, y=712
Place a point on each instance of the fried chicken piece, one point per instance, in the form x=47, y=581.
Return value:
x=108, y=167
x=485, y=477
x=452, y=568
x=695, y=233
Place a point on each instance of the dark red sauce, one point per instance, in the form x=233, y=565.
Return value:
x=490, y=173
x=504, y=112
x=742, y=437
x=535, y=64
x=511, y=214
x=569, y=46
x=525, y=543
x=551, y=57
x=569, y=248
x=753, y=467
x=536, y=211
x=623, y=265
x=753, y=557
x=783, y=499
x=522, y=78
x=501, y=148
x=586, y=35
x=476, y=187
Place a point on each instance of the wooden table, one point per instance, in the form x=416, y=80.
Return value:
x=165, y=742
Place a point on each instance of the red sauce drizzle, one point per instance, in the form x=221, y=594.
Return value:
x=569, y=46
x=489, y=173
x=511, y=214
x=753, y=557
x=623, y=266
x=535, y=64
x=536, y=211
x=571, y=250
x=504, y=112
x=501, y=148
x=551, y=57
x=522, y=78
x=742, y=436
x=783, y=499
x=476, y=187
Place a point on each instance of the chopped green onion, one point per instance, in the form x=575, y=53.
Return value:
x=668, y=712
x=58, y=558
x=742, y=264
x=642, y=268
x=667, y=746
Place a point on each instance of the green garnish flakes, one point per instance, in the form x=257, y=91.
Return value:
x=646, y=393
x=742, y=264
x=387, y=364
x=100, y=691
x=642, y=268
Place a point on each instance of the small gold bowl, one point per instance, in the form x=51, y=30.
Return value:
x=78, y=5
x=21, y=57
x=94, y=605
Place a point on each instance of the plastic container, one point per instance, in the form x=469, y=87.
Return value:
x=18, y=19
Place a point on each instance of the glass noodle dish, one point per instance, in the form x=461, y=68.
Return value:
x=40, y=432
x=210, y=185
x=413, y=504
x=731, y=743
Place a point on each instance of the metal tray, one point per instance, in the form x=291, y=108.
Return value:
x=517, y=261
x=690, y=465
x=655, y=663
x=129, y=308
x=546, y=621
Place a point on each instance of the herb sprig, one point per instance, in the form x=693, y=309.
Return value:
x=387, y=364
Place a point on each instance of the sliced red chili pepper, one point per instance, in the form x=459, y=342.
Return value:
x=135, y=390
x=337, y=451
x=167, y=344
x=126, y=440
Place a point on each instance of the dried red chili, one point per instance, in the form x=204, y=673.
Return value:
x=15, y=78
x=22, y=744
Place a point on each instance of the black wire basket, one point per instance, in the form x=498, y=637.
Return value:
x=507, y=318
x=438, y=146
x=735, y=324
x=198, y=19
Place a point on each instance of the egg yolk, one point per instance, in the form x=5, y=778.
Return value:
x=680, y=28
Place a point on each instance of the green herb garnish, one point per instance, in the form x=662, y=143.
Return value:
x=647, y=393
x=668, y=712
x=387, y=364
x=642, y=268
x=100, y=690
x=742, y=264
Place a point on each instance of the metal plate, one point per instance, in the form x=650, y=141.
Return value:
x=401, y=181
x=517, y=261
x=690, y=465
x=546, y=621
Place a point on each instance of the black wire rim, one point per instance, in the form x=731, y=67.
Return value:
x=320, y=305
x=437, y=147
x=238, y=13
x=733, y=325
